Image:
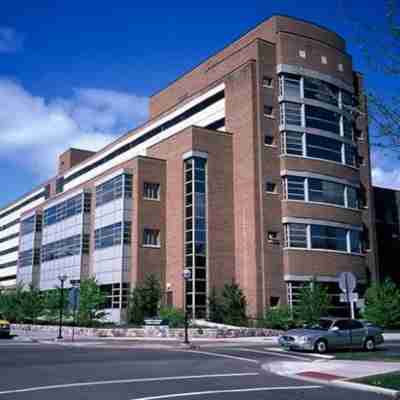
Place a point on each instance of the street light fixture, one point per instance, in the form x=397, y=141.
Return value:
x=187, y=274
x=62, y=279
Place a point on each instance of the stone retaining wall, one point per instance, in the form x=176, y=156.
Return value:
x=149, y=331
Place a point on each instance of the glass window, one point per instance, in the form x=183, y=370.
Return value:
x=114, y=189
x=151, y=191
x=324, y=148
x=293, y=143
x=267, y=82
x=320, y=118
x=64, y=210
x=355, y=241
x=316, y=89
x=352, y=197
x=295, y=188
x=62, y=248
x=151, y=237
x=268, y=140
x=268, y=111
x=347, y=127
x=290, y=85
x=270, y=187
x=326, y=192
x=25, y=258
x=27, y=225
x=108, y=236
x=347, y=99
x=350, y=154
x=296, y=235
x=328, y=237
x=291, y=113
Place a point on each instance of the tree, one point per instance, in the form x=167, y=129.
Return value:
x=151, y=295
x=382, y=304
x=32, y=304
x=215, y=308
x=144, y=300
x=91, y=301
x=135, y=307
x=313, y=303
x=234, y=305
x=10, y=304
x=380, y=46
x=51, y=302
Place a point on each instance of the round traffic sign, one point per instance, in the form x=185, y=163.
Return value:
x=347, y=282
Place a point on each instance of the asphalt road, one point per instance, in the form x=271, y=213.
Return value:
x=42, y=371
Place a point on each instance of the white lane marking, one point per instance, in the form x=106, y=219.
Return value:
x=257, y=389
x=276, y=354
x=120, y=381
x=325, y=356
x=209, y=353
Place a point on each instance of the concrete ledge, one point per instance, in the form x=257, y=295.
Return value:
x=150, y=332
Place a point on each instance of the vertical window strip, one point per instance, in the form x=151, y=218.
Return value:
x=196, y=234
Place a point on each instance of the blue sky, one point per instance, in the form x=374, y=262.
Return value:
x=80, y=73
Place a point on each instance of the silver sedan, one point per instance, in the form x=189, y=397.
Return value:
x=333, y=333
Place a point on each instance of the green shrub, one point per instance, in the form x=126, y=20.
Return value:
x=382, y=304
x=175, y=317
x=313, y=303
x=278, y=318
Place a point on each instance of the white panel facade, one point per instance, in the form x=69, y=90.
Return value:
x=203, y=118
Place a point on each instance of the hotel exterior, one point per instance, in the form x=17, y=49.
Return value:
x=254, y=167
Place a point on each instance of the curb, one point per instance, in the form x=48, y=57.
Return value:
x=367, y=388
x=343, y=383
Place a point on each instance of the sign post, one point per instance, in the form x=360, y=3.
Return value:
x=347, y=283
x=73, y=300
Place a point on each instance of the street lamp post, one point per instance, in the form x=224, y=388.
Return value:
x=186, y=276
x=62, y=279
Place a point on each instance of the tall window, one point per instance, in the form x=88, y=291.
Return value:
x=320, y=118
x=293, y=143
x=328, y=237
x=290, y=85
x=114, y=189
x=196, y=234
x=326, y=192
x=151, y=191
x=291, y=114
x=295, y=188
x=316, y=89
x=296, y=235
x=151, y=237
x=324, y=148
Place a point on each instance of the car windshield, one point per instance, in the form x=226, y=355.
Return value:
x=323, y=324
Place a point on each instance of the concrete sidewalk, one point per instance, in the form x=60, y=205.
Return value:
x=336, y=372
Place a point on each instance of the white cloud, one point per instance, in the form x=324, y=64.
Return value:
x=386, y=178
x=35, y=131
x=385, y=168
x=10, y=40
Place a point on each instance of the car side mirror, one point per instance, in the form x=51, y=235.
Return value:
x=335, y=329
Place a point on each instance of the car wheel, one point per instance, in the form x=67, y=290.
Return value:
x=321, y=346
x=369, y=344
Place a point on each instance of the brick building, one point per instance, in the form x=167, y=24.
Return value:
x=253, y=167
